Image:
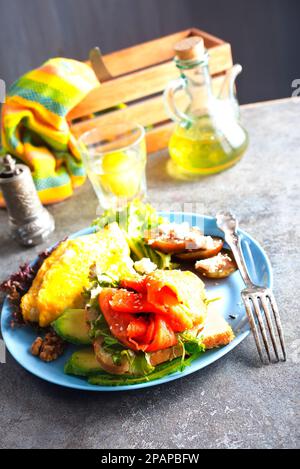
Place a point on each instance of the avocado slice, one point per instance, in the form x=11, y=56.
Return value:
x=83, y=363
x=72, y=327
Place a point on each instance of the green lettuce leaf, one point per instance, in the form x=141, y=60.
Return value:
x=135, y=219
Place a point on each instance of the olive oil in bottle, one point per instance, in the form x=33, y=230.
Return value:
x=208, y=137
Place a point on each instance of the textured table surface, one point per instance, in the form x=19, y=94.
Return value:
x=234, y=402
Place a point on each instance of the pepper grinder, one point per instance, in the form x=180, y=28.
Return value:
x=30, y=222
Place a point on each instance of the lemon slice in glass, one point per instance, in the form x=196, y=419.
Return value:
x=121, y=176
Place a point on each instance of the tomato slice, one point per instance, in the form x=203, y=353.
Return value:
x=195, y=254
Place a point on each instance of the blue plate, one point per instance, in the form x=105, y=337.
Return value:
x=18, y=341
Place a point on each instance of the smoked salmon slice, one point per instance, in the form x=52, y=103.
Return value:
x=126, y=301
x=136, y=284
x=117, y=322
x=147, y=316
x=149, y=333
x=179, y=296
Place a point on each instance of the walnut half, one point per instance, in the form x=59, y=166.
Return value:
x=49, y=348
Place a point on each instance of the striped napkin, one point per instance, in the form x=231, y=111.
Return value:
x=35, y=129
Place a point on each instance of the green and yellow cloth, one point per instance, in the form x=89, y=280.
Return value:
x=35, y=128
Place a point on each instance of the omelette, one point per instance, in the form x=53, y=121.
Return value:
x=62, y=277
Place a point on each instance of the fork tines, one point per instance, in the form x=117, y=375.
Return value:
x=265, y=323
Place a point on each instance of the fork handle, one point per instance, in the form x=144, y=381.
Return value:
x=233, y=241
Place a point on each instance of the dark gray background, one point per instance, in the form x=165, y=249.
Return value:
x=264, y=34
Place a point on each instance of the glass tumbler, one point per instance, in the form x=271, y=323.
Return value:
x=115, y=160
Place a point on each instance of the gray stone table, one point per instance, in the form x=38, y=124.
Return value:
x=233, y=403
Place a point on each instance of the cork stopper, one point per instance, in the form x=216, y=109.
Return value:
x=190, y=48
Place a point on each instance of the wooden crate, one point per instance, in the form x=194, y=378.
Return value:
x=139, y=75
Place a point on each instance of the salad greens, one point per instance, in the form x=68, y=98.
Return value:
x=136, y=219
x=100, y=328
x=160, y=371
x=191, y=344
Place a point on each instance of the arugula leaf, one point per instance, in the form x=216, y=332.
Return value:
x=192, y=344
x=176, y=365
x=99, y=327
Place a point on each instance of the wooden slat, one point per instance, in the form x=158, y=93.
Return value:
x=152, y=52
x=125, y=89
x=209, y=39
x=143, y=55
x=148, y=112
x=143, y=83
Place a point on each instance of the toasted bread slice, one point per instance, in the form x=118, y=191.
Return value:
x=216, y=332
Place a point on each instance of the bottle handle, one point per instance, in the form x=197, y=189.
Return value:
x=169, y=94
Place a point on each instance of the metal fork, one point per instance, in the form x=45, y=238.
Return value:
x=259, y=302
